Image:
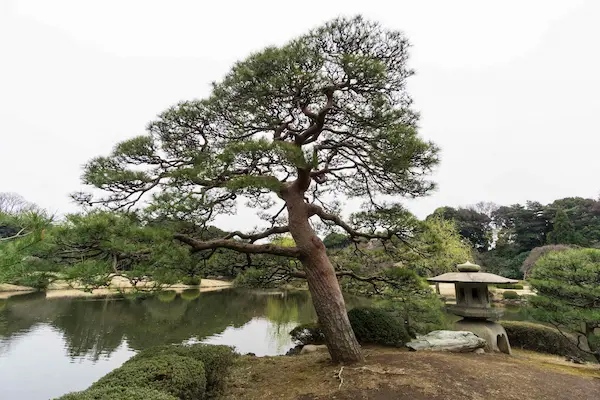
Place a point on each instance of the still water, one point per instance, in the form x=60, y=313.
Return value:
x=49, y=347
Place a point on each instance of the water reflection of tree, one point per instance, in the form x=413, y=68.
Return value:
x=96, y=327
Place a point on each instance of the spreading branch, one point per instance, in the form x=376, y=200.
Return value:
x=325, y=216
x=261, y=235
x=242, y=247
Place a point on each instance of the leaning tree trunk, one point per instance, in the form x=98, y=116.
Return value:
x=323, y=285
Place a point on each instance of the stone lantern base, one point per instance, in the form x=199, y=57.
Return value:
x=493, y=333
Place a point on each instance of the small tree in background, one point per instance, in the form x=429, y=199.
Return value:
x=568, y=295
x=325, y=114
x=563, y=230
x=14, y=204
x=473, y=225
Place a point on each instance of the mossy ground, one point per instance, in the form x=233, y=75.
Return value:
x=398, y=374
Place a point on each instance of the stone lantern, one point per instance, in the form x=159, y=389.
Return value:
x=473, y=304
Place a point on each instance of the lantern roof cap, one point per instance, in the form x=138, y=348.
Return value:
x=469, y=273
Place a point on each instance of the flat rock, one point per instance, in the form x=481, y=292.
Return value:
x=311, y=348
x=453, y=341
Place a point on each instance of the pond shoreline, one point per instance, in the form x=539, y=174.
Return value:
x=62, y=289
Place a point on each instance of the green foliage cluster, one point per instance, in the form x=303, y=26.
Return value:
x=22, y=235
x=503, y=261
x=537, y=253
x=428, y=248
x=375, y=326
x=434, y=247
x=167, y=372
x=310, y=333
x=119, y=393
x=474, y=226
x=567, y=284
x=217, y=361
x=563, y=230
x=542, y=338
x=516, y=286
x=336, y=240
x=510, y=295
x=90, y=249
x=183, y=377
x=370, y=325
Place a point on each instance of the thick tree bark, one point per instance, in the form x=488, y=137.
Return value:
x=322, y=282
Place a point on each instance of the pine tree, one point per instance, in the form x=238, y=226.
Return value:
x=325, y=114
x=568, y=295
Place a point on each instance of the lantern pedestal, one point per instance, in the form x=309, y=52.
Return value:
x=493, y=333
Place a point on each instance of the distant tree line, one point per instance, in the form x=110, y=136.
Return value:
x=505, y=236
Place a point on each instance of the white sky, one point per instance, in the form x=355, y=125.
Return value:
x=508, y=89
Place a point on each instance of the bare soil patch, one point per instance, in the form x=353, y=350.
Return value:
x=399, y=374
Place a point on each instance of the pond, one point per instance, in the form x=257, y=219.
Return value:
x=49, y=347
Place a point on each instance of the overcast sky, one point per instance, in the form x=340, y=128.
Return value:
x=508, y=89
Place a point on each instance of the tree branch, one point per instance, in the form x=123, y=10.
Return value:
x=242, y=247
x=316, y=210
x=261, y=235
x=19, y=234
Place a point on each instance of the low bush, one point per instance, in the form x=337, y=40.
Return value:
x=217, y=361
x=308, y=334
x=191, y=280
x=119, y=393
x=370, y=325
x=541, y=338
x=515, y=286
x=183, y=377
x=510, y=295
x=375, y=326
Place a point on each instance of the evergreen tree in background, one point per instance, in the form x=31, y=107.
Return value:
x=563, y=231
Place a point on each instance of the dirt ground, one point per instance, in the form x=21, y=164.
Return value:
x=399, y=374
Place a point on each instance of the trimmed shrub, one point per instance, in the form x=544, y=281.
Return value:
x=375, y=326
x=308, y=334
x=370, y=325
x=119, y=393
x=182, y=377
x=217, y=361
x=510, y=295
x=515, y=286
x=191, y=280
x=541, y=338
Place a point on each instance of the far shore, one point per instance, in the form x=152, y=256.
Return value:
x=119, y=284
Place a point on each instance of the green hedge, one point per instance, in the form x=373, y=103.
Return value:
x=182, y=377
x=370, y=325
x=119, y=393
x=515, y=286
x=541, y=338
x=217, y=361
x=510, y=295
